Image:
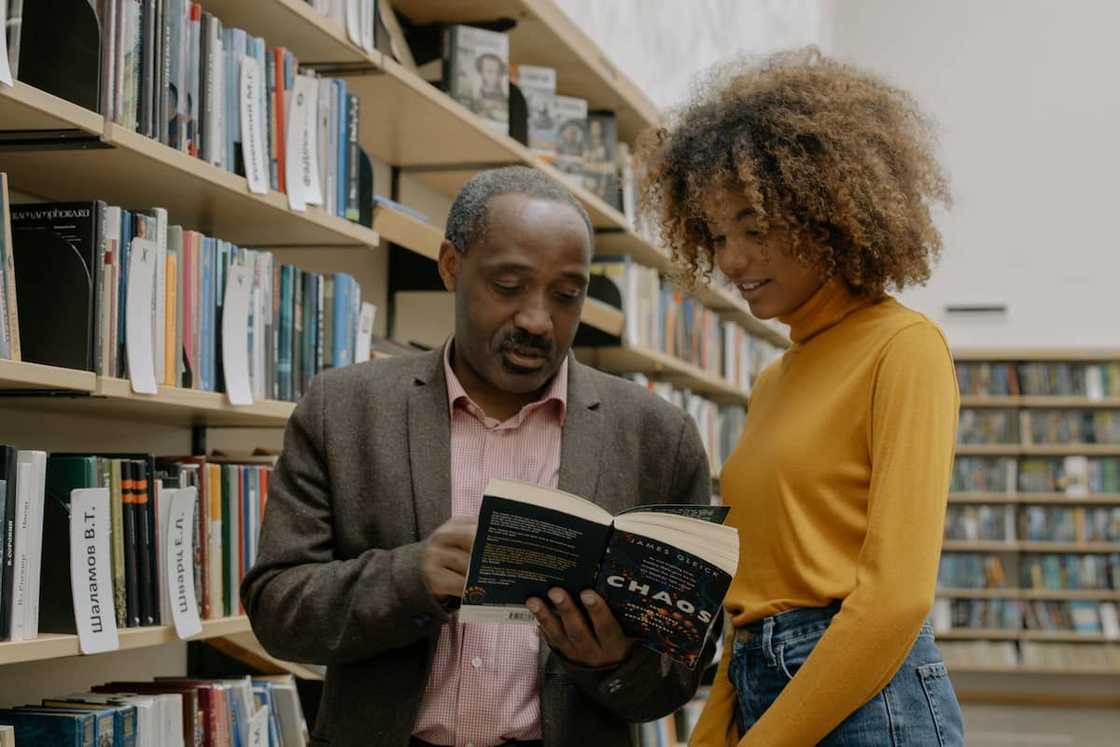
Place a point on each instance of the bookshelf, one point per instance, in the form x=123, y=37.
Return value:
x=998, y=376
x=56, y=150
x=52, y=646
x=641, y=360
x=545, y=36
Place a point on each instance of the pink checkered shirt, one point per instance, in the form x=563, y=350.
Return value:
x=483, y=689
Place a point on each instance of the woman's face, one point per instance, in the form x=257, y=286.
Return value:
x=773, y=282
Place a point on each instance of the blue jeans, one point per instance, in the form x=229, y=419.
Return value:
x=917, y=707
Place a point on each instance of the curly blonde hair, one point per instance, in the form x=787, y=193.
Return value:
x=834, y=155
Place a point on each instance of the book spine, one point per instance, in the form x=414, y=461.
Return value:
x=132, y=545
x=353, y=208
x=8, y=496
x=118, y=540
x=145, y=543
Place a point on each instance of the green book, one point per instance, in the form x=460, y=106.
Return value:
x=228, y=538
x=56, y=601
x=116, y=501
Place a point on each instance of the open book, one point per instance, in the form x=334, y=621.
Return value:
x=663, y=570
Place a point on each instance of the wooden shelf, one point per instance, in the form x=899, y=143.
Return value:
x=408, y=231
x=1078, y=403
x=114, y=398
x=25, y=108
x=603, y=317
x=17, y=375
x=292, y=24
x=52, y=646
x=1032, y=594
x=1038, y=449
x=137, y=172
x=1036, y=498
x=684, y=375
x=246, y=648
x=544, y=35
x=1030, y=355
x=995, y=634
x=1027, y=546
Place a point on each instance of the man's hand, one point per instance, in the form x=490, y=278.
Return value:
x=600, y=644
x=446, y=557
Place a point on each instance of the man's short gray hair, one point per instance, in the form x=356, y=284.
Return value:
x=468, y=219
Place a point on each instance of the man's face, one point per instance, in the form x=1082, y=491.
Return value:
x=519, y=292
x=491, y=74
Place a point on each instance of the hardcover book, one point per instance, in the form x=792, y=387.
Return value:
x=476, y=69
x=662, y=569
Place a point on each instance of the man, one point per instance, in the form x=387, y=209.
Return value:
x=372, y=507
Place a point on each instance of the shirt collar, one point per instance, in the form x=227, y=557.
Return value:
x=556, y=391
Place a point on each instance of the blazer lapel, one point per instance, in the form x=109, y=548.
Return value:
x=582, y=442
x=429, y=446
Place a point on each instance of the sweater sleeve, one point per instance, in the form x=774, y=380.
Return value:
x=912, y=429
x=716, y=726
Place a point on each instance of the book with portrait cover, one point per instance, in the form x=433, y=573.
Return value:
x=662, y=569
x=476, y=70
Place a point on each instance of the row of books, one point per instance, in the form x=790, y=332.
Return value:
x=475, y=70
x=1033, y=523
x=720, y=425
x=167, y=712
x=173, y=72
x=146, y=300
x=1095, y=381
x=1080, y=616
x=1000, y=654
x=1073, y=475
x=35, y=503
x=1038, y=572
x=985, y=426
x=660, y=317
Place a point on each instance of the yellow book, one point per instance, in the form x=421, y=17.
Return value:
x=215, y=586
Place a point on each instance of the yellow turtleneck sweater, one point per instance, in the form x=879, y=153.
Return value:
x=838, y=489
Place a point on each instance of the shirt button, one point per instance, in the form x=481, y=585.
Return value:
x=476, y=662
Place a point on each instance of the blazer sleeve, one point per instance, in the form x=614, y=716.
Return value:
x=649, y=685
x=305, y=605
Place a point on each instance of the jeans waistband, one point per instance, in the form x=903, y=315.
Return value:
x=791, y=619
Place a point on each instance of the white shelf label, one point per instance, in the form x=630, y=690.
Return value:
x=138, y=322
x=252, y=127
x=235, y=335
x=179, y=560
x=91, y=573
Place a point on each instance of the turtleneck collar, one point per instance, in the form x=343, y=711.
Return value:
x=826, y=308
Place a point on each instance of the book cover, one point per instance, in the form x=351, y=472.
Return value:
x=477, y=71
x=570, y=117
x=57, y=728
x=9, y=308
x=55, y=247
x=538, y=85
x=9, y=497
x=600, y=158
x=56, y=603
x=663, y=570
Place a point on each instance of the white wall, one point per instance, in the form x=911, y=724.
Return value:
x=1027, y=99
x=661, y=44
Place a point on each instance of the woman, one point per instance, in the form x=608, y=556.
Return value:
x=809, y=185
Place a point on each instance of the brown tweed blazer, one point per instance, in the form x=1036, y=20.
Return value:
x=365, y=476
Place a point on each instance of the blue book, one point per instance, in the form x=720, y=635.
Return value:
x=104, y=721
x=338, y=318
x=343, y=144
x=284, y=347
x=262, y=696
x=56, y=728
x=124, y=717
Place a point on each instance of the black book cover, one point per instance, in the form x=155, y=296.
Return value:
x=60, y=50
x=131, y=544
x=145, y=542
x=660, y=594
x=600, y=158
x=663, y=569
x=365, y=190
x=8, y=459
x=65, y=473
x=55, y=253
